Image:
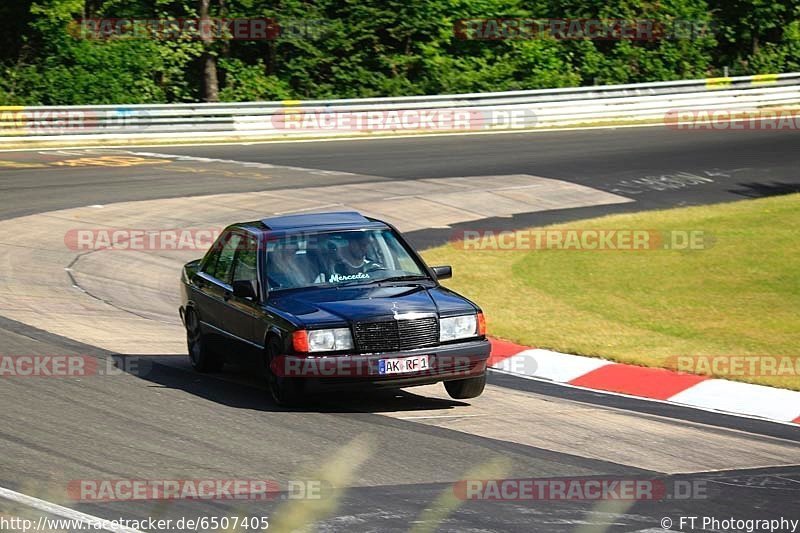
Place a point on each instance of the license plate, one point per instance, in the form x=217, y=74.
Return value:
x=402, y=365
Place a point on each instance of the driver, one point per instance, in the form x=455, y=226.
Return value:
x=353, y=258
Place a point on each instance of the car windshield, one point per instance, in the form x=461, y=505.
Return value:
x=339, y=258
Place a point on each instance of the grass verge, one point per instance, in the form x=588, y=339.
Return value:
x=735, y=294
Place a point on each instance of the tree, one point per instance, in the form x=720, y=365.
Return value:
x=209, y=57
x=364, y=48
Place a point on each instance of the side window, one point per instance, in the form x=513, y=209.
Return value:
x=245, y=268
x=212, y=257
x=224, y=266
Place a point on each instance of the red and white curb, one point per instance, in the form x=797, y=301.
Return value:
x=691, y=390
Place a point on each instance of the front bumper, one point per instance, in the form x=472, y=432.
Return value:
x=447, y=362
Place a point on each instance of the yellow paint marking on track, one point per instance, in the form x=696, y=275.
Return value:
x=110, y=161
x=218, y=172
x=21, y=164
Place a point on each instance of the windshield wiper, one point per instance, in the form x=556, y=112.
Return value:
x=414, y=277
x=408, y=277
x=352, y=283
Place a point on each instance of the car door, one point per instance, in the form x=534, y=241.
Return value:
x=213, y=282
x=242, y=315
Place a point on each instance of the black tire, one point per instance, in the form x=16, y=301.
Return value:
x=200, y=355
x=284, y=391
x=464, y=389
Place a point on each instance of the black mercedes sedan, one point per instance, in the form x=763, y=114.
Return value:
x=330, y=300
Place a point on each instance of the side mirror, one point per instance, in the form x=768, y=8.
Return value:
x=443, y=272
x=244, y=289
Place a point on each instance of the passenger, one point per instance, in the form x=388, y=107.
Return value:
x=286, y=269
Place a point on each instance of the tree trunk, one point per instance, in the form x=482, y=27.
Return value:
x=209, y=60
x=210, y=80
x=89, y=8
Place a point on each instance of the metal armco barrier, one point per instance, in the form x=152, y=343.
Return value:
x=415, y=114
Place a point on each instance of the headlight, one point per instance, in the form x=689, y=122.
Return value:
x=458, y=327
x=322, y=340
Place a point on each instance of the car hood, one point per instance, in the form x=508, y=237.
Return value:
x=318, y=307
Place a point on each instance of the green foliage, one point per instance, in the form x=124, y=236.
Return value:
x=363, y=48
x=249, y=83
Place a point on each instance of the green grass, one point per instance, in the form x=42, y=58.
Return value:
x=740, y=296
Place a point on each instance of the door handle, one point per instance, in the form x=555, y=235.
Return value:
x=227, y=296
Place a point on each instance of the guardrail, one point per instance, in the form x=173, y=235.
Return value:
x=460, y=112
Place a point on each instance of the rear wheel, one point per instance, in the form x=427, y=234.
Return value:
x=463, y=389
x=200, y=355
x=284, y=391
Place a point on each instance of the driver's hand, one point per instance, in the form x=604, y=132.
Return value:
x=372, y=267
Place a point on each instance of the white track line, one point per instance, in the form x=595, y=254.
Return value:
x=435, y=416
x=64, y=512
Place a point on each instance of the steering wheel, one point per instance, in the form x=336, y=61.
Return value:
x=375, y=267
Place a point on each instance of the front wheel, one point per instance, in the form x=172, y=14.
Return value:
x=284, y=391
x=464, y=389
x=200, y=355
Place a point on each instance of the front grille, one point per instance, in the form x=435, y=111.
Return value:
x=394, y=335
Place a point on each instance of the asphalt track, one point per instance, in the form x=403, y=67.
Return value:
x=168, y=423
